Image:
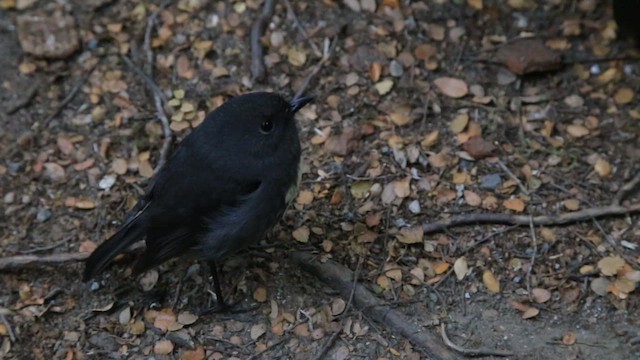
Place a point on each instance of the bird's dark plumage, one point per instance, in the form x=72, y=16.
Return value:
x=626, y=14
x=224, y=187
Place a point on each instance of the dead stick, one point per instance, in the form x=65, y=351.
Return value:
x=158, y=100
x=342, y=280
x=626, y=189
x=524, y=220
x=258, y=70
x=470, y=352
x=71, y=96
x=326, y=55
x=25, y=261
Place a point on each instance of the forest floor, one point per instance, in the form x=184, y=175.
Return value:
x=424, y=111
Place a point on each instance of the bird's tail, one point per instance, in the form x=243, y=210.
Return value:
x=103, y=254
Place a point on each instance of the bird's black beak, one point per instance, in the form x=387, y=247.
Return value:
x=299, y=103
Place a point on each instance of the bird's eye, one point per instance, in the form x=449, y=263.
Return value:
x=266, y=126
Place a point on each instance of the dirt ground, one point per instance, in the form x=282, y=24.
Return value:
x=403, y=90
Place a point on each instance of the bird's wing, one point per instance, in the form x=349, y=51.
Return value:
x=238, y=226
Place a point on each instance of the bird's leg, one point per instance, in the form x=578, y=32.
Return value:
x=221, y=306
x=213, y=267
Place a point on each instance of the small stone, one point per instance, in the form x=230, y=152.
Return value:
x=490, y=182
x=395, y=68
x=414, y=207
x=43, y=215
x=9, y=197
x=107, y=182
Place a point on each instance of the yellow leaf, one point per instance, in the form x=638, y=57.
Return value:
x=459, y=123
x=490, y=282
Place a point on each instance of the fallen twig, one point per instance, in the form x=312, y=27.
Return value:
x=25, y=261
x=471, y=352
x=534, y=239
x=524, y=220
x=328, y=49
x=328, y=344
x=301, y=28
x=513, y=177
x=5, y=322
x=258, y=70
x=158, y=100
x=72, y=94
x=626, y=189
x=342, y=280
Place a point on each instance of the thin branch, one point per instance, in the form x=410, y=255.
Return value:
x=524, y=220
x=72, y=94
x=328, y=344
x=626, y=189
x=158, y=100
x=513, y=177
x=342, y=280
x=471, y=352
x=326, y=55
x=534, y=239
x=25, y=261
x=12, y=335
x=298, y=24
x=258, y=70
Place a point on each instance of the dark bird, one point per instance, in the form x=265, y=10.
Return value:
x=223, y=189
x=626, y=13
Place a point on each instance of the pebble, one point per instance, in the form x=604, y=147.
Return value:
x=43, y=215
x=414, y=207
x=490, y=182
x=395, y=68
x=9, y=197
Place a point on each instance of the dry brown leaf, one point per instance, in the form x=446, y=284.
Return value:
x=305, y=197
x=430, y=139
x=540, y=295
x=374, y=71
x=197, y=354
x=531, y=312
x=569, y=338
x=163, y=347
x=623, y=96
x=602, y=167
x=514, y=204
x=441, y=267
x=459, y=123
x=460, y=267
x=452, y=87
x=383, y=87
x=610, y=265
x=571, y=204
x=165, y=319
x=577, y=131
x=411, y=235
x=471, y=198
x=301, y=234
x=479, y=148
x=260, y=295
x=257, y=331
x=187, y=318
